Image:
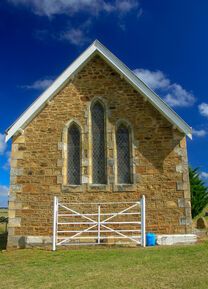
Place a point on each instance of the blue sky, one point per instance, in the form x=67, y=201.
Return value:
x=164, y=42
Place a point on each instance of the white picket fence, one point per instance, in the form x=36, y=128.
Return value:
x=98, y=223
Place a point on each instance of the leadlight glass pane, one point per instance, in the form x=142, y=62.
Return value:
x=123, y=155
x=74, y=155
x=98, y=144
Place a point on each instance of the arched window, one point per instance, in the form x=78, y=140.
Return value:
x=98, y=144
x=74, y=155
x=123, y=155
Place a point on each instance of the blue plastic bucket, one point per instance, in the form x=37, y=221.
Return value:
x=150, y=239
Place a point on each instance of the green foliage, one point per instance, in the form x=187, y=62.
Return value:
x=199, y=192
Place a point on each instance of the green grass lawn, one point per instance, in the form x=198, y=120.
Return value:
x=160, y=267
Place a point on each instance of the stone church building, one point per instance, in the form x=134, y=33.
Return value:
x=98, y=133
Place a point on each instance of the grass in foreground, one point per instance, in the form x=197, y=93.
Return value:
x=165, y=267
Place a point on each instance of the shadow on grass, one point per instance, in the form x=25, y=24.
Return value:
x=3, y=241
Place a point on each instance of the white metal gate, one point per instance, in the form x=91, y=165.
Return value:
x=98, y=223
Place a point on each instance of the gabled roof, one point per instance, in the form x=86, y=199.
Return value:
x=97, y=48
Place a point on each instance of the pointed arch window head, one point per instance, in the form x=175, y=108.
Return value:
x=74, y=155
x=98, y=144
x=123, y=154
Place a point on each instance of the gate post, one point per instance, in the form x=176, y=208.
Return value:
x=143, y=223
x=98, y=224
x=55, y=214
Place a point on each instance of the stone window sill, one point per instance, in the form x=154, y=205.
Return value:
x=72, y=188
x=124, y=187
x=98, y=187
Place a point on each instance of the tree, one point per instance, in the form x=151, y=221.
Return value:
x=199, y=192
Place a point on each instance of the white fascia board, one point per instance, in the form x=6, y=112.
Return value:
x=139, y=85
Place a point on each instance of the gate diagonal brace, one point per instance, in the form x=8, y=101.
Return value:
x=78, y=214
x=72, y=237
x=97, y=222
x=115, y=231
x=119, y=213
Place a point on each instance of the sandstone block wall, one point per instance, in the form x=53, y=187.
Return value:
x=38, y=172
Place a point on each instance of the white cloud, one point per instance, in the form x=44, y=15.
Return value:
x=178, y=96
x=203, y=109
x=91, y=9
x=3, y=145
x=40, y=84
x=203, y=175
x=4, y=190
x=94, y=7
x=6, y=166
x=75, y=35
x=173, y=93
x=199, y=133
x=154, y=79
x=125, y=6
